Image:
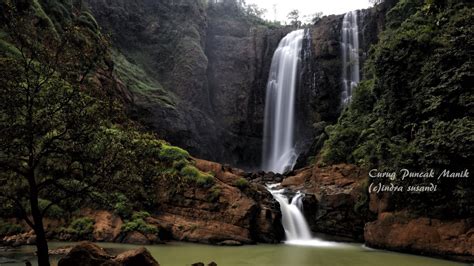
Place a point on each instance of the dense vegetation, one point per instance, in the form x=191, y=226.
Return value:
x=415, y=110
x=66, y=142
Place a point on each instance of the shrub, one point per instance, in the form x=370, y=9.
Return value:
x=214, y=193
x=189, y=171
x=82, y=227
x=7, y=228
x=170, y=153
x=241, y=183
x=123, y=207
x=54, y=211
x=139, y=224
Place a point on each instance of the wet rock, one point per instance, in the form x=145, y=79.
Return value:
x=88, y=254
x=140, y=256
x=336, y=201
x=60, y=251
x=136, y=238
x=27, y=238
x=229, y=243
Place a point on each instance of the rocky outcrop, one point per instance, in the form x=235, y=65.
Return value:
x=336, y=199
x=422, y=235
x=220, y=214
x=337, y=203
x=88, y=254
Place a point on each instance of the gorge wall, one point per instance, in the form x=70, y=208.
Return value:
x=198, y=73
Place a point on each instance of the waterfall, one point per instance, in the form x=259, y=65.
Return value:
x=297, y=231
x=350, y=55
x=293, y=220
x=279, y=153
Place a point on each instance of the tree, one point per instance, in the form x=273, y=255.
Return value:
x=316, y=17
x=48, y=122
x=294, y=16
x=255, y=11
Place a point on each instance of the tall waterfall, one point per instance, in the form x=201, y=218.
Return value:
x=278, y=144
x=293, y=220
x=350, y=55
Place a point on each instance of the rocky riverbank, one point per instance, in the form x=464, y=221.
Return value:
x=232, y=212
x=337, y=203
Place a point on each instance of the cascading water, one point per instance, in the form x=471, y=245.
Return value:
x=350, y=55
x=297, y=231
x=293, y=220
x=278, y=144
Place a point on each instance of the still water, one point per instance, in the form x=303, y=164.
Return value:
x=319, y=254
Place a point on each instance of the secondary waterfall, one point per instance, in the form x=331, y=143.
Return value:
x=350, y=55
x=293, y=220
x=297, y=231
x=279, y=152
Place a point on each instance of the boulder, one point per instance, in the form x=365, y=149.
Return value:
x=136, y=257
x=87, y=254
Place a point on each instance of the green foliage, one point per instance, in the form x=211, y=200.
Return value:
x=54, y=211
x=191, y=173
x=82, y=227
x=122, y=207
x=138, y=224
x=214, y=193
x=138, y=81
x=415, y=110
x=87, y=19
x=172, y=153
x=241, y=183
x=7, y=228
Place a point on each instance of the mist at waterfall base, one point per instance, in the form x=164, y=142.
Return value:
x=350, y=56
x=297, y=231
x=279, y=153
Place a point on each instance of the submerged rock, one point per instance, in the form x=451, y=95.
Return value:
x=89, y=254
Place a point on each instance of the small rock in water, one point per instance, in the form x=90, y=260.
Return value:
x=212, y=264
x=229, y=243
x=198, y=264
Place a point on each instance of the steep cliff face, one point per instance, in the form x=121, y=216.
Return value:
x=240, y=55
x=208, y=68
x=319, y=94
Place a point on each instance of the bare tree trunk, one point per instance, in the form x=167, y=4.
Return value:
x=41, y=243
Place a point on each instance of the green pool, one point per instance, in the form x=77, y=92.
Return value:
x=320, y=254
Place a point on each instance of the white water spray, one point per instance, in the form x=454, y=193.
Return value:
x=350, y=56
x=278, y=144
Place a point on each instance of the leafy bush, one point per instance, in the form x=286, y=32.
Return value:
x=241, y=183
x=82, y=227
x=123, y=207
x=191, y=173
x=53, y=211
x=214, y=193
x=170, y=153
x=7, y=228
x=139, y=224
